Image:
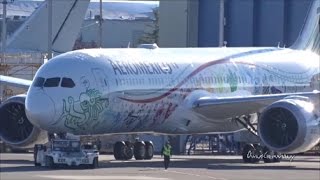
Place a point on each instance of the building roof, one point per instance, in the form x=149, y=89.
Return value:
x=111, y=10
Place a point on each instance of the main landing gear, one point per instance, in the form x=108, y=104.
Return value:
x=125, y=150
x=253, y=153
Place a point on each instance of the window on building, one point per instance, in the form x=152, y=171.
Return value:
x=67, y=83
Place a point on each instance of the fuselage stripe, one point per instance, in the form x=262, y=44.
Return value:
x=199, y=69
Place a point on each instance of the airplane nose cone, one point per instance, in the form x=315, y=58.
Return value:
x=40, y=109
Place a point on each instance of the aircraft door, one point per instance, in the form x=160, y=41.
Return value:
x=101, y=79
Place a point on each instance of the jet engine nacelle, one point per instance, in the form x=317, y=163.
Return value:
x=290, y=126
x=15, y=128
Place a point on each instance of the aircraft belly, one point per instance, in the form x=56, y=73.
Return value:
x=187, y=122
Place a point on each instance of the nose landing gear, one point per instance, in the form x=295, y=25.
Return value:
x=52, y=136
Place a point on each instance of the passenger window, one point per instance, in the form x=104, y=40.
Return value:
x=67, y=83
x=52, y=82
x=38, y=82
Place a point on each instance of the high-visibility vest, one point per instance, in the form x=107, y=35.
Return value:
x=167, y=150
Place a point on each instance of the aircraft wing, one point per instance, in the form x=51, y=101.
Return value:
x=219, y=108
x=15, y=82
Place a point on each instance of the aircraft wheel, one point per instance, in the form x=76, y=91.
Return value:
x=258, y=153
x=149, y=150
x=118, y=150
x=139, y=150
x=37, y=164
x=35, y=153
x=270, y=156
x=251, y=153
x=128, y=150
x=277, y=157
x=246, y=153
x=267, y=155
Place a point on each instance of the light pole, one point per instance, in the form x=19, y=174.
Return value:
x=100, y=25
x=221, y=24
x=4, y=41
x=49, y=29
x=4, y=26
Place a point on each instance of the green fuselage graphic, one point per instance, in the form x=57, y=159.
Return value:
x=83, y=113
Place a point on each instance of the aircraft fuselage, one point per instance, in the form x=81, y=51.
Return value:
x=98, y=91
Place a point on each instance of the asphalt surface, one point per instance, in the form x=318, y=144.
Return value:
x=20, y=166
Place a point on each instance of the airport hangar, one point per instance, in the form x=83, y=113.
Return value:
x=195, y=23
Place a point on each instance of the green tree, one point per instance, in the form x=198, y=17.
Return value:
x=151, y=35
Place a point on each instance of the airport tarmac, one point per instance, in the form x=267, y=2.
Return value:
x=20, y=166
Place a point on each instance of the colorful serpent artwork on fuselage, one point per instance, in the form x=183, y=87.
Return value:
x=83, y=113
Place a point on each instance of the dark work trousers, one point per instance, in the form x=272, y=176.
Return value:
x=166, y=161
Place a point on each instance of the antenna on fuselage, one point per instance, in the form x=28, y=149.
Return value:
x=225, y=43
x=279, y=44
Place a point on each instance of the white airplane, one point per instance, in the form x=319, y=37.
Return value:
x=176, y=91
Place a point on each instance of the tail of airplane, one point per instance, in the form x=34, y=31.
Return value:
x=309, y=37
x=67, y=18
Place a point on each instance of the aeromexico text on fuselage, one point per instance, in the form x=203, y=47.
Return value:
x=142, y=68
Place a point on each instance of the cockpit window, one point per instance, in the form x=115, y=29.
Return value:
x=38, y=82
x=52, y=82
x=67, y=83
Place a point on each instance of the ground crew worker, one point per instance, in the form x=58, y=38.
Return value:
x=167, y=153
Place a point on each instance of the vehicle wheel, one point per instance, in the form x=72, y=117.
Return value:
x=139, y=150
x=119, y=150
x=149, y=150
x=49, y=162
x=95, y=163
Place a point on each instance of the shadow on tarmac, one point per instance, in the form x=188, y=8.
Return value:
x=15, y=162
x=213, y=164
